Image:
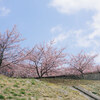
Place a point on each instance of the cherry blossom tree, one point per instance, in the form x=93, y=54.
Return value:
x=10, y=51
x=23, y=71
x=82, y=62
x=46, y=59
x=98, y=68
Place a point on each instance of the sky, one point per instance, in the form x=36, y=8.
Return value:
x=74, y=24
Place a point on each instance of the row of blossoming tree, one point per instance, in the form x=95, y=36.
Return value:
x=42, y=60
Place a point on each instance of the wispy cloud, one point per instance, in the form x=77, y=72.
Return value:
x=77, y=39
x=4, y=11
x=60, y=38
x=73, y=6
x=59, y=34
x=89, y=38
x=56, y=29
x=74, y=37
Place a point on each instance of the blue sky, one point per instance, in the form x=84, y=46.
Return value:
x=74, y=24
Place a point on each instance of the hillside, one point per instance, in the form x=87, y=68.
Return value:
x=33, y=89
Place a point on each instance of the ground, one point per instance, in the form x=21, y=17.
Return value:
x=90, y=85
x=42, y=89
x=94, y=87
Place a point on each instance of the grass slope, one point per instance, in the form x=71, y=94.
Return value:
x=94, y=87
x=90, y=85
x=33, y=89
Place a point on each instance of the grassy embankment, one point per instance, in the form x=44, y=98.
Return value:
x=90, y=85
x=44, y=89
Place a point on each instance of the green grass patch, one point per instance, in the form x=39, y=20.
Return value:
x=43, y=89
x=2, y=97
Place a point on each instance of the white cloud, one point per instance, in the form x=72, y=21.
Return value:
x=97, y=59
x=4, y=11
x=59, y=34
x=87, y=38
x=56, y=29
x=60, y=38
x=75, y=38
x=72, y=6
x=95, y=25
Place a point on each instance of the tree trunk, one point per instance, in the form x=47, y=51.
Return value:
x=82, y=75
x=0, y=62
x=37, y=72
